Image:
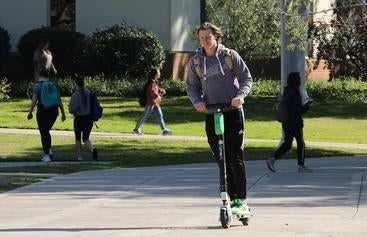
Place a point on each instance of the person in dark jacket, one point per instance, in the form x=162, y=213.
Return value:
x=293, y=126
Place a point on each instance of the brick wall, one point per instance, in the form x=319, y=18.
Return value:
x=317, y=72
x=176, y=67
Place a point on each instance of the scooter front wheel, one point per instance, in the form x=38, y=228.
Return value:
x=225, y=219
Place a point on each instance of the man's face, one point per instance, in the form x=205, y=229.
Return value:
x=207, y=39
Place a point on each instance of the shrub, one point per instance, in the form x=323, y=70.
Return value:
x=174, y=87
x=265, y=87
x=66, y=46
x=5, y=88
x=123, y=51
x=346, y=89
x=350, y=90
x=4, y=45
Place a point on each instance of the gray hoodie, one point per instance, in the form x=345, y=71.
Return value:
x=216, y=84
x=76, y=105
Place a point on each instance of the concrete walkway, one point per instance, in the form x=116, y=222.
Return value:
x=182, y=201
x=174, y=137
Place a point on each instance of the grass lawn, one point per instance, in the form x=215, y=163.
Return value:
x=328, y=121
x=8, y=183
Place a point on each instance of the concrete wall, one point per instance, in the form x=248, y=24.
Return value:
x=320, y=7
x=20, y=16
x=185, y=16
x=168, y=19
x=323, y=14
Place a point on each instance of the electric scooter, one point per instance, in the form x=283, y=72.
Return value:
x=226, y=214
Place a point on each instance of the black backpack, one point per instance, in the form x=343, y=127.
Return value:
x=143, y=95
x=95, y=107
x=143, y=98
x=281, y=110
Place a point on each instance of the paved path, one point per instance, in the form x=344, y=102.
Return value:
x=175, y=137
x=182, y=201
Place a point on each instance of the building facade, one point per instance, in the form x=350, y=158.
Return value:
x=170, y=20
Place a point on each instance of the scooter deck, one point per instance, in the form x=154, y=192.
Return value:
x=241, y=215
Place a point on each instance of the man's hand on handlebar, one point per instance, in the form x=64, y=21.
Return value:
x=200, y=106
x=237, y=101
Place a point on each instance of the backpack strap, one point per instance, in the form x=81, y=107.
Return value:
x=196, y=65
x=228, y=58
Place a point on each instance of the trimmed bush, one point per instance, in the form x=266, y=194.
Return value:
x=123, y=51
x=5, y=88
x=345, y=89
x=265, y=87
x=4, y=46
x=66, y=46
x=350, y=90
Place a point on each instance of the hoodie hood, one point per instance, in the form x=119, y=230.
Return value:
x=201, y=52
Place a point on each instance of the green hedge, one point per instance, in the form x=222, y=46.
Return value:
x=346, y=89
x=5, y=88
x=105, y=86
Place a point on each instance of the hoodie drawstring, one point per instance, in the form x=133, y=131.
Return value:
x=220, y=65
x=204, y=68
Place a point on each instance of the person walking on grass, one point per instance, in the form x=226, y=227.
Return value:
x=42, y=59
x=293, y=126
x=80, y=107
x=46, y=115
x=153, y=103
x=217, y=85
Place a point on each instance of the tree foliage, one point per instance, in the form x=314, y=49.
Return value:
x=344, y=39
x=253, y=27
x=4, y=45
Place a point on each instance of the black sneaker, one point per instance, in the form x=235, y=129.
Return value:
x=304, y=169
x=95, y=154
x=167, y=132
x=137, y=132
x=270, y=163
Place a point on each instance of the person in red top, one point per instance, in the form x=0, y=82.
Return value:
x=153, y=104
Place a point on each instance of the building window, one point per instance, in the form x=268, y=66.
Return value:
x=63, y=13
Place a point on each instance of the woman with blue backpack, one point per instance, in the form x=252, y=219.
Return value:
x=46, y=96
x=80, y=107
